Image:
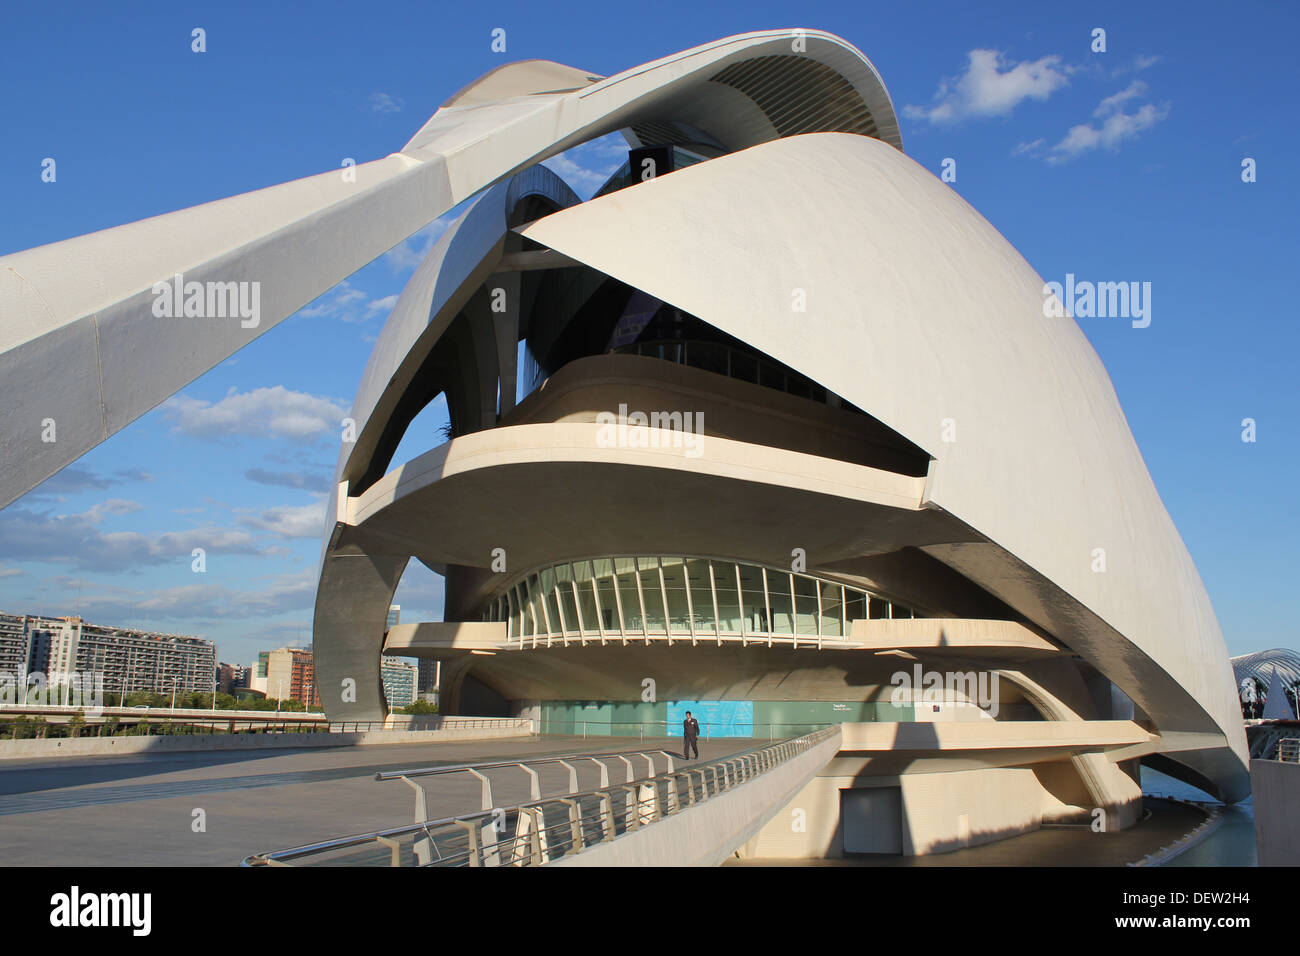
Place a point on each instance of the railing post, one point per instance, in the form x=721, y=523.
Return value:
x=633, y=817
x=606, y=817
x=648, y=807
x=395, y=847
x=576, y=844
x=537, y=843
x=475, y=847
x=486, y=801
x=535, y=790
x=573, y=776
x=674, y=802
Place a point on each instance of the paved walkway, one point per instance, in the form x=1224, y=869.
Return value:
x=140, y=810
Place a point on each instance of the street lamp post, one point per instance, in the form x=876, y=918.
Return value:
x=173, y=695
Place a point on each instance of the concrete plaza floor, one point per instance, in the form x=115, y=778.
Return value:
x=140, y=809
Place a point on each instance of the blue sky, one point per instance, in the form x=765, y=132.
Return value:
x=1121, y=166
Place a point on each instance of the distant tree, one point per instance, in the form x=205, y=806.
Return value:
x=76, y=724
x=421, y=708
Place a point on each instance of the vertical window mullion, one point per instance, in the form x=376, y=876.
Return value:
x=618, y=599
x=740, y=603
x=577, y=602
x=640, y=597
x=531, y=608
x=595, y=601
x=690, y=601
x=663, y=594
x=818, y=585
x=713, y=590
x=767, y=600
x=546, y=614
x=794, y=613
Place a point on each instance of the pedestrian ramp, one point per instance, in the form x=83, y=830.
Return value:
x=663, y=812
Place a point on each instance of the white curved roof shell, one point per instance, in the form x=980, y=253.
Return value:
x=918, y=311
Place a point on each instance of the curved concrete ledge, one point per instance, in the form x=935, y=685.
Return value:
x=587, y=443
x=710, y=832
x=1213, y=820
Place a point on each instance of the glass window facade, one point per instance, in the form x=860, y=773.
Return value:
x=681, y=598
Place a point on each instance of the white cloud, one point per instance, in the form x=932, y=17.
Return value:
x=1112, y=103
x=78, y=539
x=1115, y=125
x=385, y=103
x=263, y=412
x=165, y=609
x=291, y=521
x=405, y=256
x=586, y=167
x=72, y=480
x=345, y=303
x=306, y=480
x=992, y=86
x=381, y=305
x=421, y=593
x=581, y=179
x=1140, y=62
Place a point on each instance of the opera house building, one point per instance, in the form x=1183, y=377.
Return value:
x=775, y=428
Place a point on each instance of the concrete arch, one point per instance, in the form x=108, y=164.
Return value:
x=80, y=313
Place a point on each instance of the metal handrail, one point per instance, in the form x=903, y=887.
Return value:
x=455, y=768
x=587, y=817
x=672, y=729
x=567, y=760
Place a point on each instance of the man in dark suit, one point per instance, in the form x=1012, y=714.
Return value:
x=690, y=733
